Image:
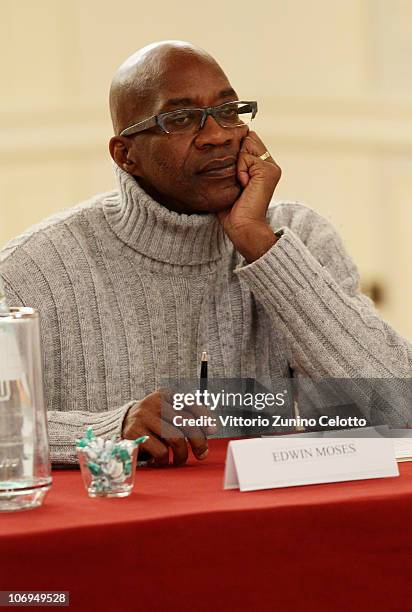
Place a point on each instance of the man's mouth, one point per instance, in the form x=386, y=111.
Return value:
x=219, y=168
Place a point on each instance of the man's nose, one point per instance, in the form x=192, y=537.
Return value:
x=213, y=134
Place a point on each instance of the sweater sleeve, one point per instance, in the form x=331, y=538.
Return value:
x=65, y=427
x=331, y=329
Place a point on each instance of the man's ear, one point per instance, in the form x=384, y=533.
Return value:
x=119, y=148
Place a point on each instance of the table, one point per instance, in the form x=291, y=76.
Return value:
x=180, y=542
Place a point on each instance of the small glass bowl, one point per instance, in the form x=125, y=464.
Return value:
x=113, y=479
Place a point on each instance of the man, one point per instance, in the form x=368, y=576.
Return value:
x=185, y=256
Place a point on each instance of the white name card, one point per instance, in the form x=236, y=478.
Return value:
x=289, y=461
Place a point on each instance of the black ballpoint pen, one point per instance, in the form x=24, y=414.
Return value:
x=203, y=372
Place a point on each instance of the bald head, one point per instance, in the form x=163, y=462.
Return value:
x=162, y=78
x=138, y=81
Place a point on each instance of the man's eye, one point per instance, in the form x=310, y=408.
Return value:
x=229, y=115
x=181, y=119
x=229, y=112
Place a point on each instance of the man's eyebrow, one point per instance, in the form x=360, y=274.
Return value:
x=181, y=102
x=177, y=102
x=227, y=92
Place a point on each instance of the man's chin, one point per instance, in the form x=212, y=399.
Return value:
x=222, y=199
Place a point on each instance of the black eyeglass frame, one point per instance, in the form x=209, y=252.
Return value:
x=157, y=120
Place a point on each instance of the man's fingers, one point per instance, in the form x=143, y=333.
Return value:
x=180, y=450
x=156, y=449
x=154, y=416
x=199, y=446
x=250, y=145
x=195, y=434
x=254, y=145
x=171, y=436
x=261, y=178
x=250, y=166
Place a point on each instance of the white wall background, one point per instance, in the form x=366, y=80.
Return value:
x=333, y=80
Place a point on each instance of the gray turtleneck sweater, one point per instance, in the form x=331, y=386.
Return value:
x=130, y=294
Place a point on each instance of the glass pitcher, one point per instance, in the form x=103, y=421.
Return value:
x=25, y=471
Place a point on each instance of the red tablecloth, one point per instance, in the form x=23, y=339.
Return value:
x=180, y=542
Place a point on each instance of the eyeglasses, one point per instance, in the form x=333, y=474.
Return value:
x=228, y=115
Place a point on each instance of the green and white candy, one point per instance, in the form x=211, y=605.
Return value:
x=109, y=461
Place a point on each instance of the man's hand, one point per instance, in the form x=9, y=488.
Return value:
x=153, y=417
x=245, y=222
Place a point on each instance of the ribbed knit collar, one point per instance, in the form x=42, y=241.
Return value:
x=160, y=234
